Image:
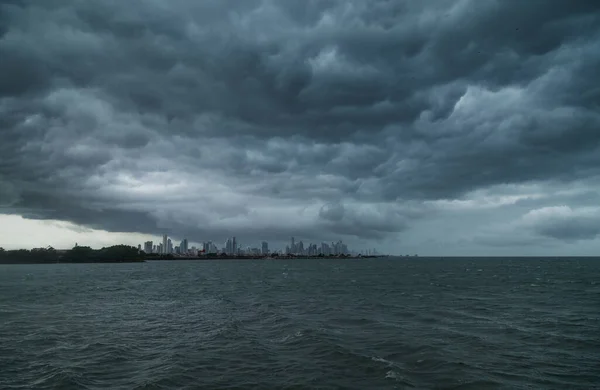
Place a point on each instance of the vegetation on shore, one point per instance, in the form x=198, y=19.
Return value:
x=79, y=254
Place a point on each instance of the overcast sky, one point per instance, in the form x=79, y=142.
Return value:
x=433, y=127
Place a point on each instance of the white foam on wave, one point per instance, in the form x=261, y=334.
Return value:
x=290, y=336
x=381, y=360
x=391, y=375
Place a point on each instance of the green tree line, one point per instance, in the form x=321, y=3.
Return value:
x=79, y=254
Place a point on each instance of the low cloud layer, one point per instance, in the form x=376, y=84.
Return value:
x=360, y=120
x=564, y=223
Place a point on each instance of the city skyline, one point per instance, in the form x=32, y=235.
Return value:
x=231, y=246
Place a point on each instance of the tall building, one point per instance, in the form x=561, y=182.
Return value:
x=339, y=248
x=209, y=247
x=169, y=246
x=229, y=246
x=164, y=244
x=234, y=246
x=265, y=248
x=183, y=247
x=160, y=249
x=213, y=247
x=148, y=247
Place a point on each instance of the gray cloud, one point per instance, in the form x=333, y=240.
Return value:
x=317, y=118
x=573, y=229
x=565, y=223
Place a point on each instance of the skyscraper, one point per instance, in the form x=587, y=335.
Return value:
x=234, y=246
x=169, y=246
x=183, y=247
x=164, y=244
x=265, y=248
x=148, y=247
x=229, y=246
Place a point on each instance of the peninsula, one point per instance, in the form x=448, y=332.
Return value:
x=130, y=254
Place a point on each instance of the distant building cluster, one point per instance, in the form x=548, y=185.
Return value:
x=232, y=247
x=166, y=247
x=298, y=248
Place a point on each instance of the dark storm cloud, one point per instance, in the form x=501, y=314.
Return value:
x=41, y=206
x=350, y=109
x=565, y=223
x=572, y=229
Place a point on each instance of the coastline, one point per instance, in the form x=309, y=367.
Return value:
x=228, y=257
x=203, y=258
x=12, y=262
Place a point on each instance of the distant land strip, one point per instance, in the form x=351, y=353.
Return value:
x=130, y=254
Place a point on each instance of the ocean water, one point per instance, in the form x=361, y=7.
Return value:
x=323, y=324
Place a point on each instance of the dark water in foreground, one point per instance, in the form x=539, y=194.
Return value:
x=362, y=324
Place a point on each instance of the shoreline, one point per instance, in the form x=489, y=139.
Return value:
x=203, y=258
x=71, y=262
x=212, y=258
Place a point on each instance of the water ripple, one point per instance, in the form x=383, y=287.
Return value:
x=456, y=324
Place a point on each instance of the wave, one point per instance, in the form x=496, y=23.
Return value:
x=243, y=325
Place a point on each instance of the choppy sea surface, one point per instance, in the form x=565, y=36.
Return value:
x=273, y=324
